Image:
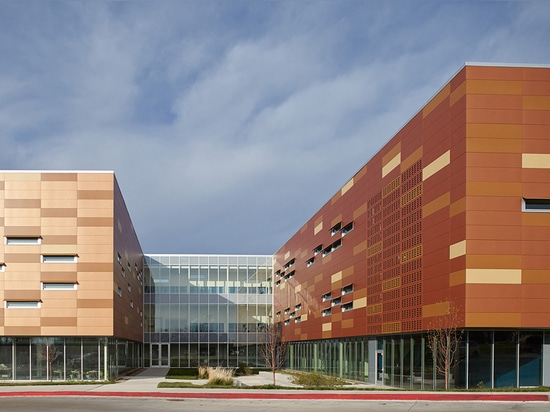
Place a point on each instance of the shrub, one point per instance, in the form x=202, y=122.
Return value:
x=203, y=372
x=220, y=376
x=244, y=370
x=316, y=380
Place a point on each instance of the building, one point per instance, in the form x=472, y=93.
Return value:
x=71, y=281
x=206, y=309
x=449, y=220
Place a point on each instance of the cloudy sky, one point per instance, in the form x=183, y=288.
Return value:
x=229, y=123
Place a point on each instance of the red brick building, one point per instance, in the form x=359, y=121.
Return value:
x=451, y=217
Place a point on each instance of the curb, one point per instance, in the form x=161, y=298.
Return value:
x=434, y=397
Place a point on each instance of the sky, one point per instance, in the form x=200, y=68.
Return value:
x=229, y=123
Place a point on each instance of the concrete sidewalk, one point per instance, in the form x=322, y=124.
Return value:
x=145, y=384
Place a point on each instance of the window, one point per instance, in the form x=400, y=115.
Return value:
x=347, y=306
x=327, y=296
x=2, y=267
x=335, y=229
x=119, y=292
x=332, y=247
x=327, y=312
x=287, y=311
x=287, y=322
x=346, y=229
x=119, y=258
x=23, y=240
x=336, y=301
x=536, y=205
x=59, y=258
x=131, y=303
x=22, y=305
x=318, y=249
x=298, y=306
x=123, y=273
x=278, y=314
x=278, y=283
x=59, y=286
x=290, y=275
x=310, y=262
x=289, y=263
x=292, y=315
x=298, y=319
x=347, y=289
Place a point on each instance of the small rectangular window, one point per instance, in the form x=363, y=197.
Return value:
x=347, y=289
x=22, y=305
x=336, y=301
x=335, y=229
x=287, y=322
x=59, y=258
x=310, y=262
x=327, y=312
x=23, y=240
x=298, y=319
x=298, y=306
x=278, y=314
x=536, y=205
x=292, y=315
x=327, y=296
x=318, y=249
x=287, y=311
x=59, y=286
x=347, y=306
x=346, y=229
x=2, y=267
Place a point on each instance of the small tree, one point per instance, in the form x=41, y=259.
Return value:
x=49, y=353
x=443, y=340
x=272, y=347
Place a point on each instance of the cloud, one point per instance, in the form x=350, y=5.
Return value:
x=229, y=124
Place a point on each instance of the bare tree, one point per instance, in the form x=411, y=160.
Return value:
x=443, y=339
x=49, y=353
x=272, y=347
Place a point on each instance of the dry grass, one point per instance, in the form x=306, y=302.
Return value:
x=216, y=376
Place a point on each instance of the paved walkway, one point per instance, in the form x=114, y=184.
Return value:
x=145, y=384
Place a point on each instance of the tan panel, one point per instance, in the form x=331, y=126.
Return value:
x=22, y=295
x=95, y=221
x=458, y=93
x=22, y=258
x=59, y=231
x=95, y=231
x=437, y=100
x=59, y=249
x=457, y=207
x=347, y=324
x=392, y=164
x=53, y=186
x=359, y=211
x=412, y=159
x=22, y=177
x=22, y=221
x=94, y=204
x=336, y=277
x=22, y=318
x=95, y=313
x=327, y=327
x=51, y=203
x=457, y=278
x=95, y=294
x=55, y=307
x=491, y=130
x=494, y=276
x=57, y=222
x=57, y=277
x=31, y=231
x=535, y=277
x=97, y=212
x=436, y=165
x=493, y=320
x=536, y=102
x=493, y=261
x=535, y=161
x=22, y=330
x=26, y=213
x=97, y=249
x=22, y=203
x=298, y=288
x=360, y=303
x=96, y=194
x=95, y=303
x=13, y=196
x=58, y=212
x=58, y=177
x=495, y=145
x=361, y=247
x=493, y=189
x=436, y=204
x=494, y=87
x=346, y=187
x=59, y=240
x=535, y=219
x=337, y=219
x=318, y=228
x=61, y=321
x=436, y=309
x=98, y=330
x=457, y=249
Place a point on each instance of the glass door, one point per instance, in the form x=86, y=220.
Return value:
x=379, y=367
x=160, y=354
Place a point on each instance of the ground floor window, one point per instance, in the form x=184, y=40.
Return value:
x=66, y=358
x=486, y=359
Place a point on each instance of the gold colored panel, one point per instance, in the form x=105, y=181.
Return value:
x=458, y=93
x=493, y=320
x=391, y=327
x=436, y=204
x=536, y=102
x=95, y=303
x=59, y=321
x=57, y=277
x=96, y=194
x=535, y=277
x=95, y=221
x=360, y=303
x=494, y=276
x=318, y=228
x=493, y=189
x=347, y=324
x=392, y=164
x=436, y=100
x=412, y=159
x=346, y=187
x=493, y=261
x=457, y=207
x=58, y=212
x=494, y=87
x=436, y=309
x=457, y=278
x=359, y=211
x=361, y=247
x=327, y=327
x=22, y=203
x=491, y=130
x=336, y=277
x=58, y=177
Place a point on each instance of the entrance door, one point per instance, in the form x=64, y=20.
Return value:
x=379, y=367
x=160, y=354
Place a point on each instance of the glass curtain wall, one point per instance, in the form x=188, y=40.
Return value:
x=206, y=309
x=71, y=358
x=490, y=359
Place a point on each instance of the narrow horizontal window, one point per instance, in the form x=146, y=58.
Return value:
x=278, y=314
x=298, y=306
x=23, y=240
x=326, y=296
x=287, y=311
x=329, y=249
x=318, y=249
x=292, y=315
x=59, y=258
x=2, y=267
x=335, y=229
x=536, y=205
x=347, y=289
x=278, y=283
x=119, y=292
x=346, y=229
x=289, y=263
x=287, y=322
x=22, y=305
x=298, y=319
x=59, y=286
x=310, y=262
x=347, y=306
x=336, y=301
x=327, y=312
